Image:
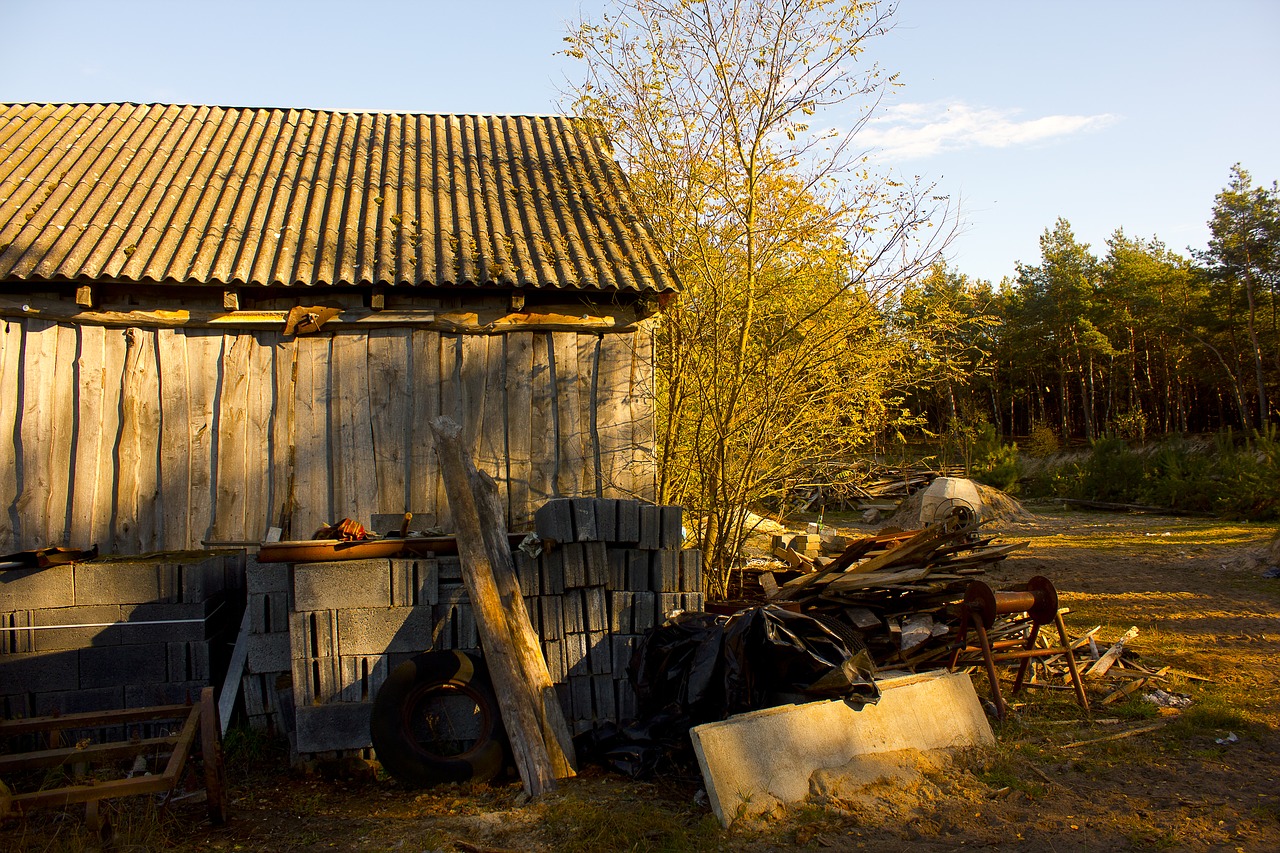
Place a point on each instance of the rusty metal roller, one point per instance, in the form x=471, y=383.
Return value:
x=1039, y=600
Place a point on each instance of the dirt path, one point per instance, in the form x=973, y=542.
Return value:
x=1191, y=587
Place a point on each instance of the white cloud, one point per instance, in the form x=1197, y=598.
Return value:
x=912, y=131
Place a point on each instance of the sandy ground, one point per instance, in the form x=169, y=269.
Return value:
x=1194, y=590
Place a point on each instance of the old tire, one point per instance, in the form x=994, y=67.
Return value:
x=435, y=720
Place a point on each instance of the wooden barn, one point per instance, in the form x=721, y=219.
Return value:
x=217, y=320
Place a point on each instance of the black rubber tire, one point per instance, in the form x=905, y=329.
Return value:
x=408, y=716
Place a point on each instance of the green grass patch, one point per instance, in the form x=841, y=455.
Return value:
x=576, y=825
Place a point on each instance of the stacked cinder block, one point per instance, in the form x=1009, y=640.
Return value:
x=325, y=635
x=612, y=570
x=115, y=634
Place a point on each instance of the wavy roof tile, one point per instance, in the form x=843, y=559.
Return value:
x=235, y=196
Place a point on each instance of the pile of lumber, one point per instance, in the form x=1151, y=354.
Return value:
x=897, y=589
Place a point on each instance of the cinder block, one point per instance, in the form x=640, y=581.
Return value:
x=595, y=608
x=101, y=616
x=650, y=527
x=268, y=612
x=575, y=565
x=188, y=662
x=34, y=589
x=606, y=519
x=642, y=611
x=316, y=680
x=584, y=520
x=580, y=688
x=202, y=579
x=620, y=605
x=691, y=570
x=668, y=603
x=117, y=666
x=361, y=678
x=599, y=653
x=618, y=559
x=366, y=631
x=80, y=701
x=313, y=634
x=672, y=535
x=426, y=574
x=12, y=640
x=626, y=700
x=554, y=653
x=262, y=578
x=527, y=573
x=128, y=583
x=597, y=559
x=175, y=693
x=551, y=608
x=449, y=568
x=628, y=531
x=639, y=574
x=666, y=571
x=575, y=654
x=624, y=646
x=342, y=583
x=603, y=696
x=575, y=621
x=403, y=588
x=325, y=728
x=165, y=623
x=693, y=602
x=552, y=563
x=554, y=520
x=39, y=672
x=268, y=652
x=534, y=611
x=739, y=757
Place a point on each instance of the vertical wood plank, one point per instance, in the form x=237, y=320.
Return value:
x=175, y=439
x=475, y=378
x=231, y=437
x=39, y=358
x=132, y=450
x=283, y=447
x=451, y=405
x=59, y=441
x=613, y=415
x=588, y=367
x=311, y=475
x=424, y=371
x=573, y=468
x=11, y=334
x=115, y=345
x=354, y=482
x=205, y=350
x=258, y=408
x=518, y=404
x=543, y=449
x=644, y=463
x=148, y=442
x=389, y=402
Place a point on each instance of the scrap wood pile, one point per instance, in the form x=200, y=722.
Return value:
x=1114, y=672
x=840, y=486
x=897, y=589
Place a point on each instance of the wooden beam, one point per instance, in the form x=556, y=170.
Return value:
x=84, y=296
x=517, y=697
x=230, y=300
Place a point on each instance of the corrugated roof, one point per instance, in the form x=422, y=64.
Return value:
x=235, y=196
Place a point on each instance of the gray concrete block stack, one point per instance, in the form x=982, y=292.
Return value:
x=325, y=635
x=115, y=633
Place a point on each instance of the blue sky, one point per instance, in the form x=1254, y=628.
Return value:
x=1118, y=114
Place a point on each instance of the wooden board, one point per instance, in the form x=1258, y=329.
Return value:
x=543, y=449
x=519, y=403
x=389, y=400
x=311, y=474
x=11, y=335
x=231, y=440
x=90, y=444
x=424, y=406
x=204, y=355
x=175, y=438
x=39, y=363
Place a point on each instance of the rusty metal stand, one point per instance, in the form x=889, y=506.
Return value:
x=1039, y=599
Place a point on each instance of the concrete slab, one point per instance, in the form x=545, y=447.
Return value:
x=753, y=762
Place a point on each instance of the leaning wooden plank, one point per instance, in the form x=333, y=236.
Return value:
x=1112, y=654
x=516, y=696
x=555, y=731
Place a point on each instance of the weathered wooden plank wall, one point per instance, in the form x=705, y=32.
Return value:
x=146, y=439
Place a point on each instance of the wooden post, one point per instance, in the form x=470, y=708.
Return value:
x=555, y=731
x=518, y=699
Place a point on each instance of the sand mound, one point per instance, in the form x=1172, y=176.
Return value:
x=996, y=507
